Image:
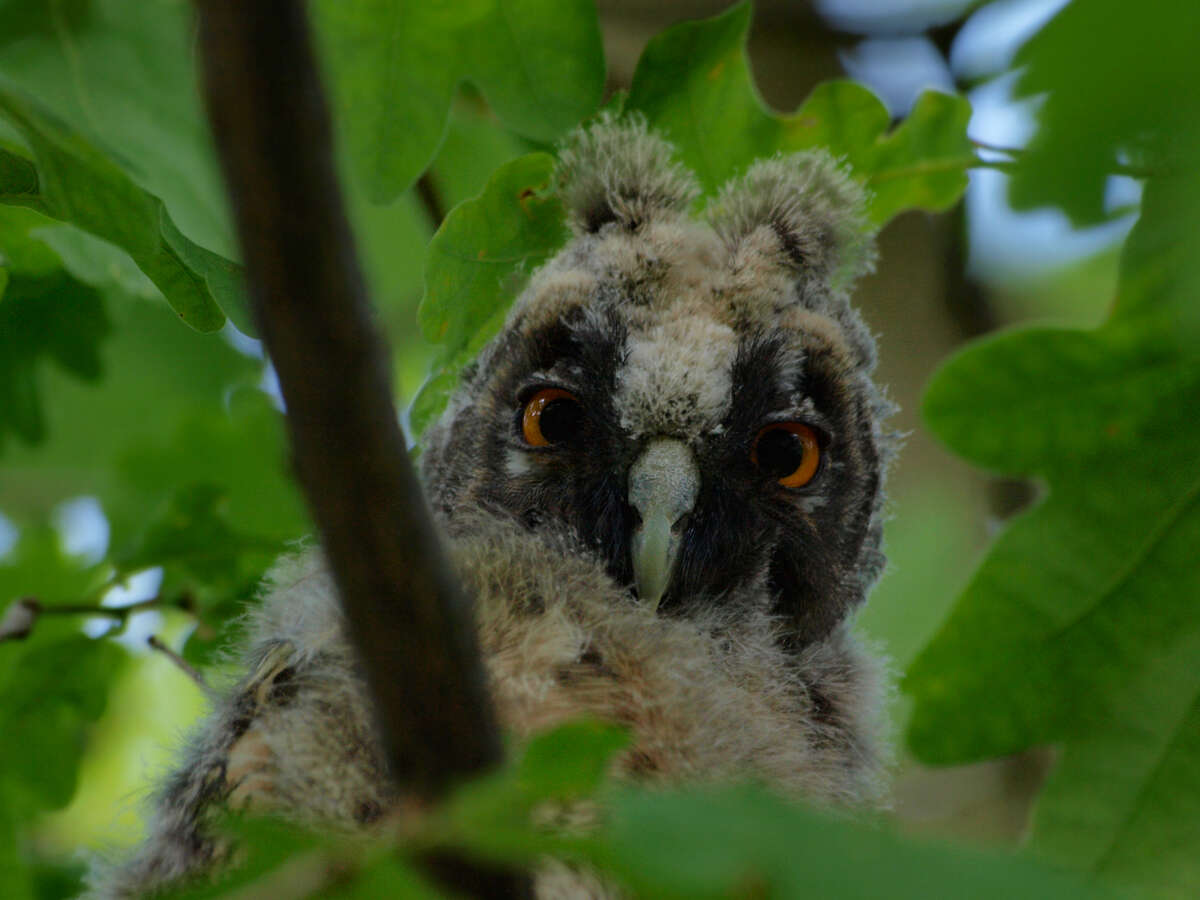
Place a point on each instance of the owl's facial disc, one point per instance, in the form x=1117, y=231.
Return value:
x=663, y=485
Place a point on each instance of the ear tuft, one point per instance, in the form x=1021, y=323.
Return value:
x=816, y=210
x=618, y=171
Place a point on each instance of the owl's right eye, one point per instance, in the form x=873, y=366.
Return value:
x=551, y=416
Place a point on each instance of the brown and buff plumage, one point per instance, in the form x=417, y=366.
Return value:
x=662, y=328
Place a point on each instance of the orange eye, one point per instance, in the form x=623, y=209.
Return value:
x=551, y=416
x=787, y=452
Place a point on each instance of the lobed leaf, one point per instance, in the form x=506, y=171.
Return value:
x=693, y=82
x=476, y=262
x=80, y=185
x=1087, y=601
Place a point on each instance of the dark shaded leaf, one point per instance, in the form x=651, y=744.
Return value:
x=52, y=318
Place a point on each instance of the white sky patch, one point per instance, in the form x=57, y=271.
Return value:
x=140, y=625
x=991, y=37
x=898, y=69
x=888, y=16
x=83, y=527
x=8, y=536
x=1004, y=242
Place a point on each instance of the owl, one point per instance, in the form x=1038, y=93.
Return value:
x=661, y=484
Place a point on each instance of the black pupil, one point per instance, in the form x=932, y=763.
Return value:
x=561, y=420
x=780, y=452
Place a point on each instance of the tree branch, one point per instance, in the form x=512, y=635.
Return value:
x=405, y=612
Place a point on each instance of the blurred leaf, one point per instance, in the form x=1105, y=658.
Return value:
x=79, y=184
x=18, y=180
x=231, y=461
x=49, y=318
x=57, y=880
x=693, y=82
x=1086, y=595
x=194, y=535
x=1124, y=799
x=22, y=250
x=123, y=74
x=1142, y=107
x=744, y=842
x=571, y=760
x=52, y=691
x=270, y=849
x=395, y=64
x=53, y=683
x=478, y=259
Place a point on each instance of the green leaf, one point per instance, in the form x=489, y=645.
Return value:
x=693, y=83
x=1142, y=107
x=395, y=65
x=479, y=258
x=53, y=690
x=156, y=377
x=744, y=842
x=195, y=535
x=53, y=683
x=53, y=318
x=1091, y=592
x=22, y=250
x=81, y=185
x=18, y=180
x=571, y=760
x=1124, y=800
x=124, y=75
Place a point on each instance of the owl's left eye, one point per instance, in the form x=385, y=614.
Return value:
x=789, y=452
x=551, y=416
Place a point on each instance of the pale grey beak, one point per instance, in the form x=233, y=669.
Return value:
x=663, y=484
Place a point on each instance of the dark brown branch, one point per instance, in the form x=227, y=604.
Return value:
x=406, y=615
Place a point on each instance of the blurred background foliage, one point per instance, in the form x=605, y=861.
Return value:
x=142, y=461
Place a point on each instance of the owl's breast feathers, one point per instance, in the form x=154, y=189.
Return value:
x=706, y=698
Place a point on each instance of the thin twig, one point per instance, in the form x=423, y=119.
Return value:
x=120, y=613
x=21, y=616
x=182, y=664
x=996, y=148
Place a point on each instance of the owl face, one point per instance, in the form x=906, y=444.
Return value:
x=690, y=401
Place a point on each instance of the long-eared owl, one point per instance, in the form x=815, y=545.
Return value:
x=662, y=486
